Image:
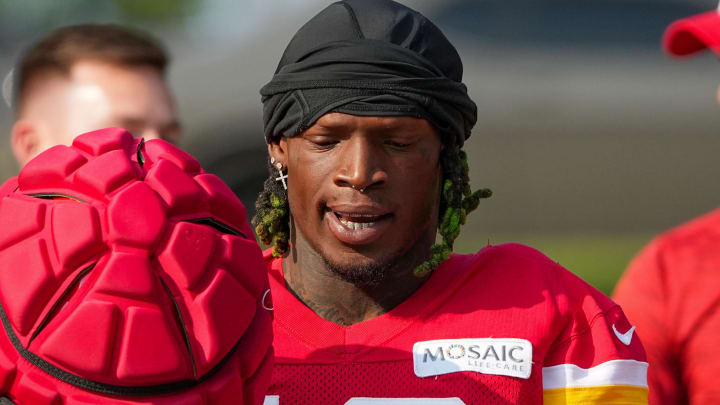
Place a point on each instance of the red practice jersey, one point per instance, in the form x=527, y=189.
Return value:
x=671, y=292
x=503, y=326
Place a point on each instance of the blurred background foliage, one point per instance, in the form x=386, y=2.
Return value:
x=590, y=137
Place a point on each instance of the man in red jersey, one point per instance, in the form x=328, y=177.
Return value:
x=365, y=119
x=670, y=290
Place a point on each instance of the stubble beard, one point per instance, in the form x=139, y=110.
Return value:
x=368, y=274
x=371, y=272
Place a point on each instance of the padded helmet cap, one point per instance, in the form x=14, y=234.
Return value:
x=128, y=274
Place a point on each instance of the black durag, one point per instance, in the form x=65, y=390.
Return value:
x=368, y=57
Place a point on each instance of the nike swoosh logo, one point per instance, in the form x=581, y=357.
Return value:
x=626, y=337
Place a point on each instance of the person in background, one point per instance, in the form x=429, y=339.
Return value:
x=671, y=289
x=86, y=77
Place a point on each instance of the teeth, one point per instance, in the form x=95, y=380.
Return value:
x=356, y=225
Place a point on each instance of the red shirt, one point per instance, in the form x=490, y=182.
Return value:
x=671, y=291
x=503, y=326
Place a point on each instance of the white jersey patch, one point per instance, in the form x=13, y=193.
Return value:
x=509, y=357
x=272, y=400
x=405, y=401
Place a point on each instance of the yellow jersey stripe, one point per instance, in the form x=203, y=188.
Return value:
x=598, y=395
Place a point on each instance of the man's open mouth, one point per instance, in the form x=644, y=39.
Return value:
x=357, y=225
x=357, y=221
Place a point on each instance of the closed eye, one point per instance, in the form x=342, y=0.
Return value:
x=324, y=145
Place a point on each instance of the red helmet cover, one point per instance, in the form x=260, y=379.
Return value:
x=129, y=272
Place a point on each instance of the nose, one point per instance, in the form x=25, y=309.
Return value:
x=361, y=166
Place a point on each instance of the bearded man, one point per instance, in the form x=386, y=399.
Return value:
x=365, y=120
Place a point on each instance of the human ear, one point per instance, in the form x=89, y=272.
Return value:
x=24, y=141
x=278, y=151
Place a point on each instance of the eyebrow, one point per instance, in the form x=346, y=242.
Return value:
x=139, y=122
x=389, y=126
x=132, y=122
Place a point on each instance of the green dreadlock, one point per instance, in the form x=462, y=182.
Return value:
x=272, y=217
x=456, y=202
x=272, y=220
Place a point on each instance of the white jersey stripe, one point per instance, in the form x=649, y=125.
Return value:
x=613, y=372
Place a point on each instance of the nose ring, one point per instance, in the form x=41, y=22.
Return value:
x=362, y=190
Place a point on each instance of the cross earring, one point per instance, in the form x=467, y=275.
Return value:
x=283, y=176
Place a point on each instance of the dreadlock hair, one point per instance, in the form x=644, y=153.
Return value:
x=272, y=218
x=456, y=202
x=272, y=215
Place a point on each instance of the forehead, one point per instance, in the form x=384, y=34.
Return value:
x=341, y=122
x=129, y=93
x=119, y=81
